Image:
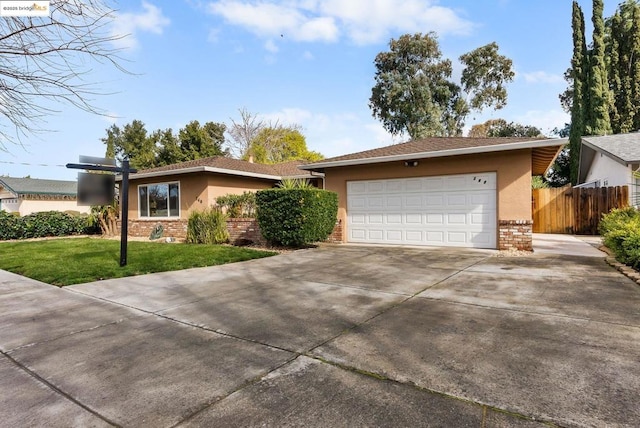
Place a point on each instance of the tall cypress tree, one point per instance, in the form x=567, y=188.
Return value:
x=578, y=77
x=623, y=54
x=634, y=68
x=597, y=113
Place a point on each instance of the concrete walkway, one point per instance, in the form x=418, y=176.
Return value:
x=334, y=336
x=568, y=245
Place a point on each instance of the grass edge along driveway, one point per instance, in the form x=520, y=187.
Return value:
x=74, y=261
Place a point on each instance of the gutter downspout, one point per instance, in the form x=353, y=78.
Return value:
x=320, y=175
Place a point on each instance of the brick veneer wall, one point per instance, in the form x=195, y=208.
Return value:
x=515, y=235
x=172, y=228
x=241, y=230
x=336, y=235
x=244, y=231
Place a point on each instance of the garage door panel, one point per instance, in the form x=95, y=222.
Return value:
x=457, y=219
x=394, y=186
x=413, y=185
x=434, y=201
x=394, y=235
x=433, y=183
x=357, y=219
x=414, y=236
x=356, y=202
x=375, y=186
x=394, y=218
x=356, y=187
x=437, y=218
x=375, y=235
x=447, y=210
x=394, y=202
x=375, y=219
x=458, y=200
x=413, y=201
x=413, y=218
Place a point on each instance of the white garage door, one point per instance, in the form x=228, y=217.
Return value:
x=451, y=210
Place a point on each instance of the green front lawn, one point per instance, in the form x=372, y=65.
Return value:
x=74, y=261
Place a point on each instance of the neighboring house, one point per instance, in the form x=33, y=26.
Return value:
x=611, y=160
x=464, y=192
x=29, y=195
x=168, y=195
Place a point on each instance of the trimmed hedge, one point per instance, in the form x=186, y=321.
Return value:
x=620, y=230
x=42, y=224
x=296, y=217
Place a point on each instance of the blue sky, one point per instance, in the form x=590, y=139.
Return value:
x=308, y=62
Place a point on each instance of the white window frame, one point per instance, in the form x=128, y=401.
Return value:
x=147, y=215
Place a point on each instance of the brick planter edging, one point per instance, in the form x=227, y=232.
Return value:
x=242, y=231
x=515, y=235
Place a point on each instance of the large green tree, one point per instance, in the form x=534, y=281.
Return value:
x=198, y=141
x=414, y=93
x=280, y=144
x=163, y=147
x=502, y=128
x=131, y=142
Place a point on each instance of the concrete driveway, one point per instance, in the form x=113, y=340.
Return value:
x=333, y=336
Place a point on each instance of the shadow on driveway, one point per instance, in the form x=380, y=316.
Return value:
x=333, y=336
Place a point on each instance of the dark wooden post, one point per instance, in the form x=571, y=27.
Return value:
x=124, y=206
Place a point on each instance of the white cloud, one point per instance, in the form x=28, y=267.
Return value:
x=267, y=19
x=542, y=77
x=128, y=25
x=361, y=21
x=271, y=46
x=308, y=56
x=334, y=134
x=544, y=120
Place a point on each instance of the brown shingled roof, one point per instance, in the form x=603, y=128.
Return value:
x=287, y=169
x=426, y=145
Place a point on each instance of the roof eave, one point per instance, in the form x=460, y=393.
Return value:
x=606, y=152
x=200, y=169
x=439, y=153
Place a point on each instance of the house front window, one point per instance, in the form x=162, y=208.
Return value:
x=159, y=200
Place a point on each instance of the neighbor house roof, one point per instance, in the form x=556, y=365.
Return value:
x=229, y=166
x=35, y=186
x=623, y=148
x=544, y=151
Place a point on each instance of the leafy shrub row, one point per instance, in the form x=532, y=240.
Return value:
x=238, y=206
x=296, y=217
x=620, y=230
x=207, y=227
x=42, y=224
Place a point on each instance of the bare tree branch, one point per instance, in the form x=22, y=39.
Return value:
x=49, y=59
x=243, y=133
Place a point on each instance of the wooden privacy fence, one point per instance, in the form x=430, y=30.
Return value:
x=575, y=210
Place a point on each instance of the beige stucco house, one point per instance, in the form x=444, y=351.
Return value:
x=168, y=195
x=30, y=195
x=463, y=192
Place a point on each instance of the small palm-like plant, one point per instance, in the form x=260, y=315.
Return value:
x=294, y=183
